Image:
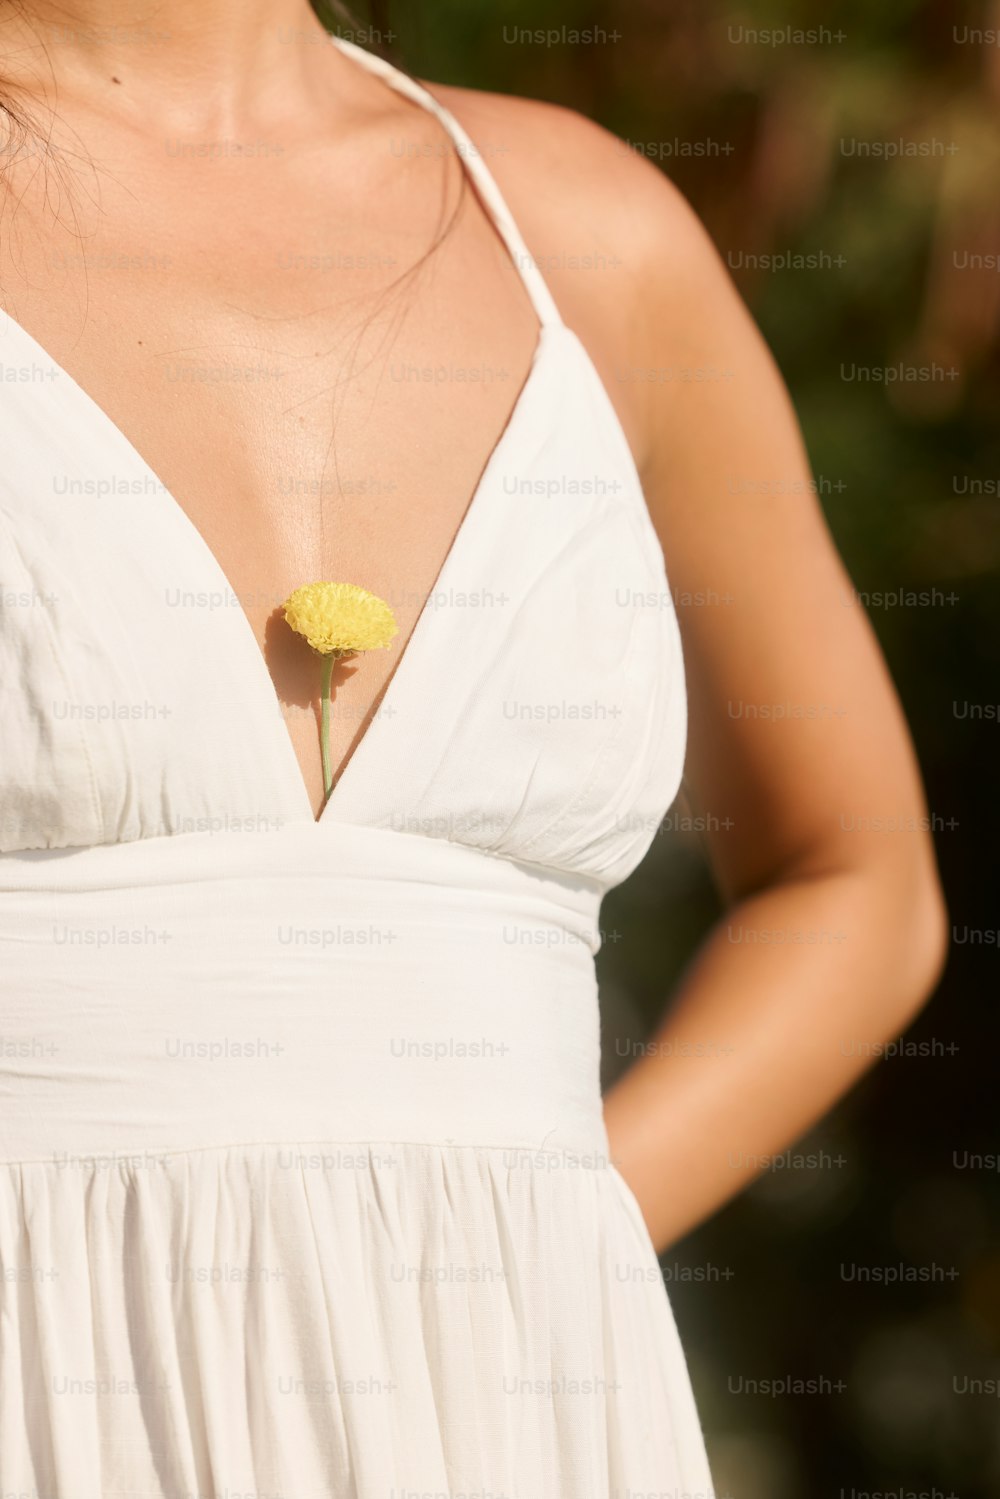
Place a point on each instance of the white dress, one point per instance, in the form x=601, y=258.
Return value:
x=304, y=1184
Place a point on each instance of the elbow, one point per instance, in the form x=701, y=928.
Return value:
x=925, y=934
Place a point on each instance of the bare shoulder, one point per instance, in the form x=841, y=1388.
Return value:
x=570, y=175
x=624, y=253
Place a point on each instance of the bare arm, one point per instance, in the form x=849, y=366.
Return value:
x=835, y=927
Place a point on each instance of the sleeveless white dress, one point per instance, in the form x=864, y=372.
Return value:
x=304, y=1184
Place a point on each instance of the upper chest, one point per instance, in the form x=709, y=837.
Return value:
x=296, y=351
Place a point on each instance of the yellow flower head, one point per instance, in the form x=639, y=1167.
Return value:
x=340, y=618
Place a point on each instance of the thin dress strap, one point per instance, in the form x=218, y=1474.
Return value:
x=480, y=175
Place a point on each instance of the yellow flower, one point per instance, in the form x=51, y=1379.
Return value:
x=340, y=618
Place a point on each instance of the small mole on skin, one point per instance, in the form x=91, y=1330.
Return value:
x=115, y=80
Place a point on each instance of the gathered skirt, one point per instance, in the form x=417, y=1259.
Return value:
x=307, y=1218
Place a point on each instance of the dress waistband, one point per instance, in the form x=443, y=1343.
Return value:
x=318, y=984
x=248, y=849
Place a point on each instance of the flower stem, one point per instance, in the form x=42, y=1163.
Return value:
x=328, y=663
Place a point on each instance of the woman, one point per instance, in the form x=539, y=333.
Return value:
x=308, y=1185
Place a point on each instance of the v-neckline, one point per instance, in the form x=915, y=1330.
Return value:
x=549, y=324
x=256, y=659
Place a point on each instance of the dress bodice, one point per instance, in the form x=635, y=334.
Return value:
x=537, y=712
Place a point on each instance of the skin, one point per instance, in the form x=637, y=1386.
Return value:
x=361, y=172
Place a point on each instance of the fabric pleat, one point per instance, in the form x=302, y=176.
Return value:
x=417, y=1319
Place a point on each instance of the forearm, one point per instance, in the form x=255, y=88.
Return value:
x=762, y=1038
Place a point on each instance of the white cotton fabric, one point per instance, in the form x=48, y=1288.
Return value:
x=304, y=1184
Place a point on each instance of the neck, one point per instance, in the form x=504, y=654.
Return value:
x=201, y=64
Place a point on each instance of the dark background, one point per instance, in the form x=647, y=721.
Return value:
x=760, y=135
